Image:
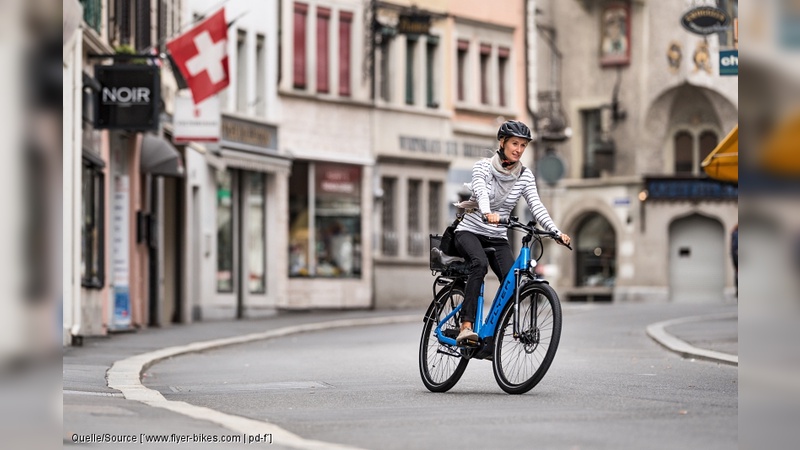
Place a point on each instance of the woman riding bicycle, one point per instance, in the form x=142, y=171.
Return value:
x=497, y=184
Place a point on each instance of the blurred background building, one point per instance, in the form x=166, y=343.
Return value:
x=349, y=128
x=646, y=103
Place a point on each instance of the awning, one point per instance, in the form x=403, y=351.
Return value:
x=159, y=157
x=723, y=162
x=256, y=162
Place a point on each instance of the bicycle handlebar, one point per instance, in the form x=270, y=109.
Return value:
x=513, y=222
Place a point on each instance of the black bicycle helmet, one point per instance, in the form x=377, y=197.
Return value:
x=514, y=128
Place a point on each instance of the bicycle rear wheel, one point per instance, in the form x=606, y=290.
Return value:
x=441, y=365
x=521, y=361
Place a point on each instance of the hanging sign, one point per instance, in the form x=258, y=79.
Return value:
x=705, y=20
x=196, y=123
x=128, y=97
x=729, y=62
x=414, y=24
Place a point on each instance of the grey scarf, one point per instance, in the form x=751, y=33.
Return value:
x=503, y=181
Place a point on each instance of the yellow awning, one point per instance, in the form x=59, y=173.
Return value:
x=723, y=163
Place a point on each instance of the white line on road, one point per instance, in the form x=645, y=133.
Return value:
x=125, y=376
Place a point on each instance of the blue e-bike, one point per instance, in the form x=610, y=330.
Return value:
x=520, y=334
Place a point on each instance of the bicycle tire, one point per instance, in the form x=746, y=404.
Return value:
x=519, y=363
x=441, y=365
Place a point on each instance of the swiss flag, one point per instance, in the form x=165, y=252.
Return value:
x=201, y=55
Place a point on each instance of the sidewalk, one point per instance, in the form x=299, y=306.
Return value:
x=90, y=406
x=712, y=338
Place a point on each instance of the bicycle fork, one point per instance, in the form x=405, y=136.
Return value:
x=517, y=327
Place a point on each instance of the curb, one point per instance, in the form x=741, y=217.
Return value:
x=125, y=376
x=657, y=331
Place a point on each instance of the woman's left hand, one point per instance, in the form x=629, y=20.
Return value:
x=564, y=239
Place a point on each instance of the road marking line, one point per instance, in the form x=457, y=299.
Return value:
x=658, y=333
x=125, y=376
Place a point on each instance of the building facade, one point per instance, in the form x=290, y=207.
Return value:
x=447, y=74
x=646, y=103
x=237, y=188
x=324, y=95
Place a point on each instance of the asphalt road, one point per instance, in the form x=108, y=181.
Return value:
x=610, y=387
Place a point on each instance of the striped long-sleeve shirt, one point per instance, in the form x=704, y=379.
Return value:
x=483, y=190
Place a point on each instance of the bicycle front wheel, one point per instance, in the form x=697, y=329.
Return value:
x=441, y=365
x=521, y=361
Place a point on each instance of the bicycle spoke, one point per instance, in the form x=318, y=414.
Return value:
x=522, y=360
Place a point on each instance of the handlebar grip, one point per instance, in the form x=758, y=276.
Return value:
x=503, y=220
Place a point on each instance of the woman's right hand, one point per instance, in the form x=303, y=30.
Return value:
x=492, y=217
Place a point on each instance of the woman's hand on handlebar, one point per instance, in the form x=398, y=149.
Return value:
x=564, y=239
x=491, y=218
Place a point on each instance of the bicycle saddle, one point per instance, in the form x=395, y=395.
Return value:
x=444, y=258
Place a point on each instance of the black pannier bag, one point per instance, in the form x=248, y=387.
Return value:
x=448, y=243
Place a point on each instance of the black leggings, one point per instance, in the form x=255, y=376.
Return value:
x=471, y=246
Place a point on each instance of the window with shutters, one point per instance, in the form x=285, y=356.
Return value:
x=345, y=34
x=299, y=46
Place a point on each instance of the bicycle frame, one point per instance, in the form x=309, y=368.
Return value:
x=508, y=290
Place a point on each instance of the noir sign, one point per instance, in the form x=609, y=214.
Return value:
x=129, y=97
x=705, y=20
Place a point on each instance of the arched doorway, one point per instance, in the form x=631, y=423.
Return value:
x=696, y=260
x=595, y=258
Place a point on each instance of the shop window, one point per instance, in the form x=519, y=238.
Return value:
x=388, y=224
x=596, y=252
x=256, y=258
x=416, y=244
x=92, y=231
x=299, y=46
x=323, y=67
x=299, y=239
x=325, y=234
x=225, y=232
x=461, y=68
x=345, y=33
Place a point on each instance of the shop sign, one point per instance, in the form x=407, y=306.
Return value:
x=414, y=24
x=339, y=179
x=729, y=62
x=249, y=133
x=129, y=97
x=436, y=147
x=196, y=123
x=705, y=20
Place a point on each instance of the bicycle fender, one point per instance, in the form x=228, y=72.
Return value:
x=531, y=281
x=439, y=296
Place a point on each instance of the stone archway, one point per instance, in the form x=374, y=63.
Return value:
x=682, y=107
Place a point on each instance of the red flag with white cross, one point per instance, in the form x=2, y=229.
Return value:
x=201, y=55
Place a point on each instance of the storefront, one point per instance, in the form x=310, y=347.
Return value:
x=250, y=191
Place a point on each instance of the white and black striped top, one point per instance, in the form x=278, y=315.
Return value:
x=483, y=190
